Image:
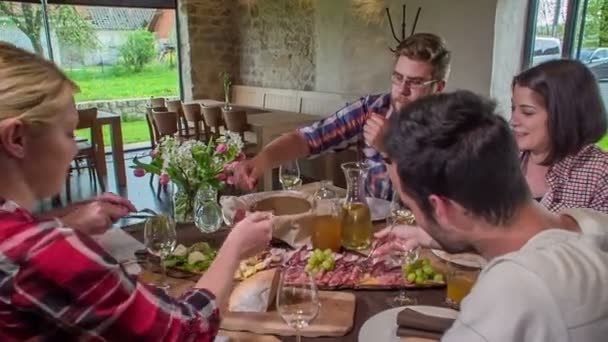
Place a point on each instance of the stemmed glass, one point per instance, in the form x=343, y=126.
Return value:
x=401, y=215
x=289, y=175
x=298, y=303
x=160, y=239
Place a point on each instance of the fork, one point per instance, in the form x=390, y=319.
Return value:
x=143, y=213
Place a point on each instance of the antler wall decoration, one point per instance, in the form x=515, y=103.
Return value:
x=403, y=24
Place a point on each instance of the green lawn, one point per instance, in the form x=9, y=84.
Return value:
x=604, y=143
x=114, y=82
x=132, y=132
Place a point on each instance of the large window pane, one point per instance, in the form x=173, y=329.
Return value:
x=22, y=24
x=115, y=52
x=549, y=31
x=592, y=46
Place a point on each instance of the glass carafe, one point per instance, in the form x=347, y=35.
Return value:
x=207, y=212
x=356, y=217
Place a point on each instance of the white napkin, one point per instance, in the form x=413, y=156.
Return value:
x=122, y=247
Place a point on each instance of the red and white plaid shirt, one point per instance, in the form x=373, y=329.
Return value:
x=579, y=181
x=57, y=284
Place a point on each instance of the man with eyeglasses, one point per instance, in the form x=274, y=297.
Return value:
x=422, y=68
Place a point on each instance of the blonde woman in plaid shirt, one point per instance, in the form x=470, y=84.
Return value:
x=56, y=283
x=557, y=117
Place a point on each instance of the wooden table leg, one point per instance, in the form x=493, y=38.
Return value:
x=100, y=153
x=118, y=153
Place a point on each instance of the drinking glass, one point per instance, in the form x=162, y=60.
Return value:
x=326, y=225
x=160, y=240
x=298, y=303
x=459, y=282
x=289, y=175
x=401, y=215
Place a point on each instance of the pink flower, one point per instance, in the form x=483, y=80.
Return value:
x=231, y=166
x=241, y=157
x=221, y=177
x=139, y=172
x=154, y=152
x=221, y=149
x=230, y=180
x=164, y=179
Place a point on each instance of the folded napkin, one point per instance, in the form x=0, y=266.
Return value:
x=415, y=324
x=122, y=247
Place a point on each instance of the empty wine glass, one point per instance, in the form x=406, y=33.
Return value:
x=160, y=239
x=401, y=215
x=298, y=303
x=289, y=175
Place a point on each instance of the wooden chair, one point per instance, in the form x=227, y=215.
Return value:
x=157, y=102
x=165, y=121
x=213, y=118
x=87, y=119
x=194, y=116
x=236, y=121
x=166, y=125
x=182, y=123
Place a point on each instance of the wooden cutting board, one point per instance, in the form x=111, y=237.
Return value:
x=237, y=336
x=335, y=318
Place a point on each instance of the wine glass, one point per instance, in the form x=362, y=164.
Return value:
x=289, y=175
x=401, y=215
x=298, y=303
x=160, y=239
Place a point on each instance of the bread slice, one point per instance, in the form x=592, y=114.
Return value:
x=255, y=294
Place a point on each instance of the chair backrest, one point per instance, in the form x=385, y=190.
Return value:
x=157, y=102
x=87, y=118
x=174, y=106
x=152, y=129
x=213, y=116
x=236, y=120
x=192, y=112
x=166, y=122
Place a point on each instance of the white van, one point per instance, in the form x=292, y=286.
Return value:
x=546, y=49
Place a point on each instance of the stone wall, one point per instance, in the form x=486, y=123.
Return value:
x=132, y=108
x=207, y=45
x=276, y=45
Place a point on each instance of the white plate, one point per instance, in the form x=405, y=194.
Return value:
x=379, y=208
x=463, y=259
x=383, y=326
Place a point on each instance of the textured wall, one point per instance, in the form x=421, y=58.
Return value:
x=207, y=45
x=276, y=45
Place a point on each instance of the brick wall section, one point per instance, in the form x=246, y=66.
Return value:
x=271, y=46
x=208, y=45
x=276, y=45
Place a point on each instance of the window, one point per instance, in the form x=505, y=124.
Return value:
x=116, y=52
x=118, y=56
x=22, y=24
x=572, y=29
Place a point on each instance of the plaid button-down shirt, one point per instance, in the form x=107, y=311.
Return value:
x=579, y=181
x=344, y=129
x=59, y=285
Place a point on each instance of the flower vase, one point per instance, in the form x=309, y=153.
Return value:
x=183, y=204
x=208, y=213
x=227, y=105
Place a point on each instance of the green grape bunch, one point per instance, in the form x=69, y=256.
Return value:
x=320, y=260
x=421, y=272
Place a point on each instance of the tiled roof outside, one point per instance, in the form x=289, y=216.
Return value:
x=109, y=18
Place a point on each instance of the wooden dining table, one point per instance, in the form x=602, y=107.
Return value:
x=118, y=153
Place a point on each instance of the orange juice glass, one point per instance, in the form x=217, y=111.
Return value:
x=326, y=232
x=459, y=282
